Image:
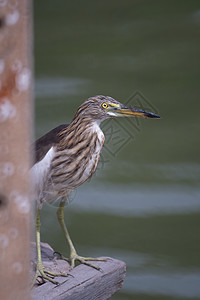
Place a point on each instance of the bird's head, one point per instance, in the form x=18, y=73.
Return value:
x=100, y=107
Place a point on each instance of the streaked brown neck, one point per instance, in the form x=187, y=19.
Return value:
x=81, y=128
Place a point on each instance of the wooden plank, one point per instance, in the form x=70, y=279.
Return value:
x=15, y=123
x=86, y=283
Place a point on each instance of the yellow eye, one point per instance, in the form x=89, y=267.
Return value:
x=104, y=105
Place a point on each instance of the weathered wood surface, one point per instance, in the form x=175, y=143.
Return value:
x=85, y=283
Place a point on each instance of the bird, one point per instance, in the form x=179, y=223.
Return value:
x=66, y=157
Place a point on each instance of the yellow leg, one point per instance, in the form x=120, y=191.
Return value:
x=73, y=254
x=40, y=270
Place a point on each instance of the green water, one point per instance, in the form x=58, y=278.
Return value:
x=143, y=204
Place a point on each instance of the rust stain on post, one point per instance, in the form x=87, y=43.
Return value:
x=7, y=86
x=15, y=136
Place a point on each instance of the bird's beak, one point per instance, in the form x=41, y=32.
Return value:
x=128, y=111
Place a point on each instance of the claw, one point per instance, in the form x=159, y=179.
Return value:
x=47, y=275
x=60, y=256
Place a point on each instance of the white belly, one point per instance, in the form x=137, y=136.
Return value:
x=39, y=174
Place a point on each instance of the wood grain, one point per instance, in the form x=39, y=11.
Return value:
x=86, y=283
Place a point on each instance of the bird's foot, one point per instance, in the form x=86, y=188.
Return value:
x=42, y=275
x=83, y=260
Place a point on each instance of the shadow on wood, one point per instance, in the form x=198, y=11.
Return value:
x=85, y=282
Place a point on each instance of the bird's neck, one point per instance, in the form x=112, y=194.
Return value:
x=81, y=129
x=85, y=125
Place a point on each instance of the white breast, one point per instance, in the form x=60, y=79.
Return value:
x=97, y=129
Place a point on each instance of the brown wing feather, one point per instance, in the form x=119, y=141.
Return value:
x=43, y=144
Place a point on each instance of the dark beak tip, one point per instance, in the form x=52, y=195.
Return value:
x=152, y=116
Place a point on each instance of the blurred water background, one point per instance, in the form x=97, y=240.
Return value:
x=143, y=204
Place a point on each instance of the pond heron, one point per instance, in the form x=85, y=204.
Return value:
x=66, y=157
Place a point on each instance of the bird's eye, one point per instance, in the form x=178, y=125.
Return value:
x=104, y=105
